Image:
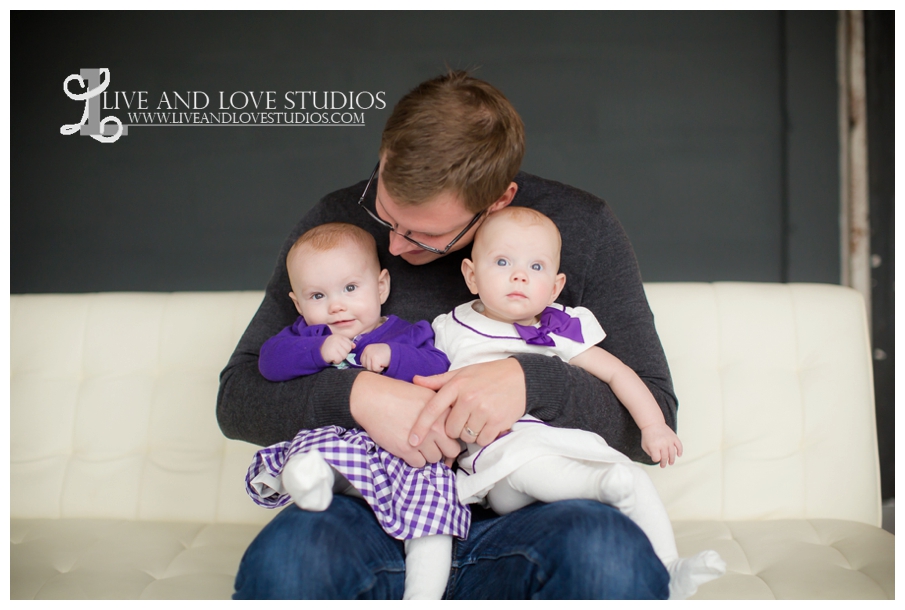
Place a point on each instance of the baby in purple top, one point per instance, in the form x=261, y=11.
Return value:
x=338, y=289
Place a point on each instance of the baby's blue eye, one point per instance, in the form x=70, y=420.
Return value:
x=537, y=267
x=502, y=262
x=317, y=296
x=350, y=288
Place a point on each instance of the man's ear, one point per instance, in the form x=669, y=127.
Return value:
x=468, y=273
x=295, y=302
x=505, y=199
x=383, y=286
x=558, y=284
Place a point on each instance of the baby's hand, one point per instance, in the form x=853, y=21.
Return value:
x=336, y=348
x=376, y=357
x=661, y=444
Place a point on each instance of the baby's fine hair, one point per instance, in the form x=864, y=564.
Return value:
x=523, y=216
x=333, y=235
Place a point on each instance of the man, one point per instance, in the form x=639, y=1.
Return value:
x=449, y=156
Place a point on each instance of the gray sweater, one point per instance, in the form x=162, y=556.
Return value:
x=601, y=274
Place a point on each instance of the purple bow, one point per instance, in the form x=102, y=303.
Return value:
x=551, y=321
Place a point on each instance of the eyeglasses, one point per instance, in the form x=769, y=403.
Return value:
x=405, y=235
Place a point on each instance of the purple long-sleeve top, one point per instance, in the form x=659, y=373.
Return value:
x=296, y=350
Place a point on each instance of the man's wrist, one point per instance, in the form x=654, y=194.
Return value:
x=543, y=385
x=362, y=387
x=366, y=387
x=332, y=391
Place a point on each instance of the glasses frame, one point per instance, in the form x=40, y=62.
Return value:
x=389, y=226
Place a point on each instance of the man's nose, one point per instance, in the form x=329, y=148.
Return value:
x=400, y=245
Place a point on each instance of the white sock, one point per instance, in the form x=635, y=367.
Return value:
x=427, y=563
x=308, y=480
x=686, y=574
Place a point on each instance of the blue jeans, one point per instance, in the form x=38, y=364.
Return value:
x=576, y=549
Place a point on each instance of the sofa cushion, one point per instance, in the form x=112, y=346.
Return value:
x=113, y=407
x=124, y=559
x=794, y=558
x=120, y=559
x=776, y=406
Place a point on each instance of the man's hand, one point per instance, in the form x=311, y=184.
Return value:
x=483, y=399
x=375, y=357
x=661, y=444
x=336, y=348
x=386, y=409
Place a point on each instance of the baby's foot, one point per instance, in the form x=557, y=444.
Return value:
x=617, y=487
x=686, y=574
x=308, y=480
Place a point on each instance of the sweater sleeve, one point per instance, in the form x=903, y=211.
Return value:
x=294, y=352
x=255, y=410
x=602, y=275
x=416, y=354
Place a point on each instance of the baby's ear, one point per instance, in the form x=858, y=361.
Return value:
x=295, y=302
x=468, y=273
x=558, y=284
x=383, y=286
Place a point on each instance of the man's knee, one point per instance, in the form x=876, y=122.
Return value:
x=321, y=555
x=596, y=552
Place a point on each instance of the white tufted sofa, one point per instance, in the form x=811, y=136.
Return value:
x=122, y=486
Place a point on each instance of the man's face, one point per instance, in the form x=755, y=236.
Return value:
x=434, y=223
x=339, y=287
x=514, y=270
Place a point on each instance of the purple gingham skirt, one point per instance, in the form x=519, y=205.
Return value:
x=408, y=502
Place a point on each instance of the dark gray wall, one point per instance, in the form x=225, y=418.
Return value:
x=712, y=135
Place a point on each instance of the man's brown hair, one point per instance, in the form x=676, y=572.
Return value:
x=452, y=133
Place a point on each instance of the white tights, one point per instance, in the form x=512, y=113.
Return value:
x=311, y=483
x=624, y=486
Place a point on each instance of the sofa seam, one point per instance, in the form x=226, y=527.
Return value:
x=744, y=551
x=223, y=441
x=805, y=503
x=723, y=401
x=154, y=391
x=77, y=405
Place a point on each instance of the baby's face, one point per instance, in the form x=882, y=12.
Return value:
x=339, y=287
x=514, y=270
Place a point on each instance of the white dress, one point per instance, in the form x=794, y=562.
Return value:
x=469, y=337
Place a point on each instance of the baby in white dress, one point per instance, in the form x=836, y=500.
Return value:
x=515, y=260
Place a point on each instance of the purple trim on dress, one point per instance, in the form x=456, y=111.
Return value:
x=476, y=331
x=474, y=462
